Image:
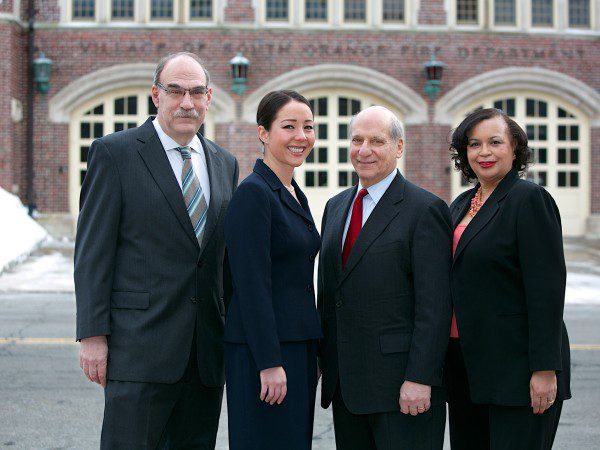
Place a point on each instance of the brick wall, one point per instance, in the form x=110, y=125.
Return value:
x=595, y=170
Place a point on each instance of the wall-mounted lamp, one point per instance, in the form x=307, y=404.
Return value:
x=433, y=74
x=239, y=72
x=41, y=73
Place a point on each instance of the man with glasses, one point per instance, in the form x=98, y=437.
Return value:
x=149, y=260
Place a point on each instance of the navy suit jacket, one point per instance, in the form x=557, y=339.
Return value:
x=272, y=243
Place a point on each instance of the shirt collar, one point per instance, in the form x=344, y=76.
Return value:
x=169, y=143
x=378, y=189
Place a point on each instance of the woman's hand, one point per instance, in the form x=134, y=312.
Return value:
x=273, y=385
x=542, y=389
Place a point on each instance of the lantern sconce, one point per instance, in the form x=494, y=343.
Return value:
x=239, y=73
x=433, y=74
x=41, y=73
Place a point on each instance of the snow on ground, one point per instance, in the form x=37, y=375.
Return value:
x=583, y=289
x=49, y=272
x=19, y=233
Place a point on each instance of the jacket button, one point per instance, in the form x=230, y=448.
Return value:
x=309, y=226
x=200, y=263
x=338, y=304
x=193, y=300
x=311, y=257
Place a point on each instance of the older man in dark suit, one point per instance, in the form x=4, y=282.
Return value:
x=384, y=299
x=149, y=261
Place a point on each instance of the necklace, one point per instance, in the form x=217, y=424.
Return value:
x=476, y=203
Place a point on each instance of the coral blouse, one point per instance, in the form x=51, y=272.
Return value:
x=458, y=231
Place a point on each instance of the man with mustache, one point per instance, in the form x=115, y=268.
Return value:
x=149, y=259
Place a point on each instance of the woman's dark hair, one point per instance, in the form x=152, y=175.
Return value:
x=271, y=103
x=460, y=141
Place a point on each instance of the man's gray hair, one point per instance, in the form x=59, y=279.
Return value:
x=163, y=62
x=396, y=128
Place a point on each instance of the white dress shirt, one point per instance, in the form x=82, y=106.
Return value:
x=198, y=159
x=370, y=200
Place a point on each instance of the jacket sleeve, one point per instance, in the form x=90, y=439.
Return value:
x=248, y=239
x=321, y=280
x=96, y=242
x=431, y=258
x=540, y=248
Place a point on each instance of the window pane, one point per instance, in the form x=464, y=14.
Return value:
x=322, y=154
x=84, y=130
x=309, y=179
x=119, y=106
x=98, y=110
x=343, y=154
x=277, y=9
x=315, y=10
x=201, y=9
x=119, y=126
x=322, y=106
x=574, y=132
x=562, y=132
x=355, y=10
x=542, y=133
x=322, y=131
x=122, y=9
x=83, y=153
x=542, y=156
x=98, y=130
x=342, y=106
x=574, y=156
x=393, y=10
x=342, y=179
x=562, y=155
x=152, y=111
x=579, y=13
x=504, y=12
x=574, y=179
x=82, y=176
x=355, y=107
x=84, y=9
x=132, y=105
x=322, y=179
x=541, y=13
x=354, y=178
x=467, y=11
x=311, y=157
x=161, y=9
x=343, y=131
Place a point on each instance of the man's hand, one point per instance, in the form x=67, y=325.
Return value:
x=415, y=398
x=542, y=389
x=273, y=385
x=93, y=354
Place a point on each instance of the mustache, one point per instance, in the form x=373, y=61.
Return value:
x=186, y=113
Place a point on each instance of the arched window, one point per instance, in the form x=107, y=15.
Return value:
x=113, y=112
x=559, y=137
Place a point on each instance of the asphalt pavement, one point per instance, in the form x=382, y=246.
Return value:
x=47, y=403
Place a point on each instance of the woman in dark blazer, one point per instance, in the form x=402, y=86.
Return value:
x=508, y=361
x=272, y=325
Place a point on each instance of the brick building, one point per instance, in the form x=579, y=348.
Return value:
x=536, y=59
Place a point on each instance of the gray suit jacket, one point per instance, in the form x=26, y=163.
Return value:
x=386, y=315
x=140, y=276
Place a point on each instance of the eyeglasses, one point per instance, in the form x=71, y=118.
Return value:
x=178, y=92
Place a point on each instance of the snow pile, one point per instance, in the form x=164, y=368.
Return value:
x=19, y=233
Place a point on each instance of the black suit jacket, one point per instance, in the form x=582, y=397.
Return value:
x=140, y=276
x=272, y=243
x=386, y=316
x=508, y=288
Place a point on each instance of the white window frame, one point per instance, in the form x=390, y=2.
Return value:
x=408, y=11
x=453, y=23
x=315, y=23
x=501, y=27
x=593, y=24
x=555, y=18
x=148, y=12
x=109, y=9
x=368, y=17
x=187, y=11
x=292, y=7
x=98, y=7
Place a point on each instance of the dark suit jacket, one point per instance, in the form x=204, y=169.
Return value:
x=272, y=243
x=140, y=276
x=508, y=288
x=386, y=316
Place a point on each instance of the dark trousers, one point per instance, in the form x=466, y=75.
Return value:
x=494, y=427
x=183, y=415
x=389, y=430
x=256, y=425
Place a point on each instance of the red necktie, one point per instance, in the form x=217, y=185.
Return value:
x=355, y=225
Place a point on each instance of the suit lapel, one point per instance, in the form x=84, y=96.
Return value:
x=215, y=177
x=486, y=213
x=154, y=156
x=386, y=209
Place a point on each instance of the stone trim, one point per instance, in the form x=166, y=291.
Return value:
x=533, y=79
x=120, y=76
x=341, y=76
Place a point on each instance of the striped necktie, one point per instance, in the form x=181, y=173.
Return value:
x=192, y=194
